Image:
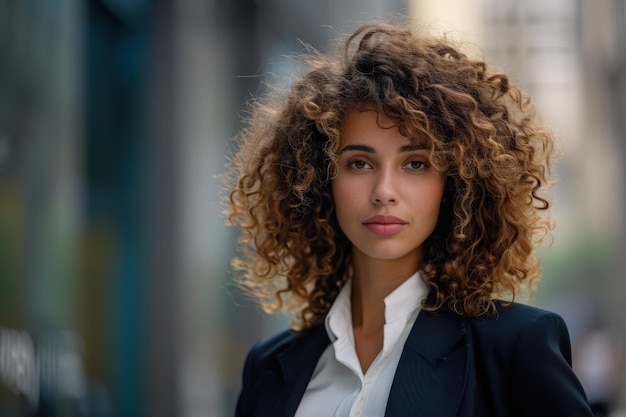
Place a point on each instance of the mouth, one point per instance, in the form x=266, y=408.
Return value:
x=384, y=219
x=384, y=225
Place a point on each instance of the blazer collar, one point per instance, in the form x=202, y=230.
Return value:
x=431, y=374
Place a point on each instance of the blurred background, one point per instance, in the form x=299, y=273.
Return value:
x=115, y=118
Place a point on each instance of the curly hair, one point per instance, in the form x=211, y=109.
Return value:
x=483, y=134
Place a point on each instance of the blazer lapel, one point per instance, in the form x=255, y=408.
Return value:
x=298, y=362
x=431, y=374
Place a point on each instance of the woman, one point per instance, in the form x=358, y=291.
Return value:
x=391, y=199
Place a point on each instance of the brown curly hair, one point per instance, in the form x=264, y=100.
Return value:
x=482, y=131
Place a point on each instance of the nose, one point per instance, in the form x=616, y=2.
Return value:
x=384, y=190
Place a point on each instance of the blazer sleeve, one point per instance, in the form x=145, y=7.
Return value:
x=544, y=382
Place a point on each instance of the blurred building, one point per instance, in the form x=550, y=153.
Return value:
x=115, y=118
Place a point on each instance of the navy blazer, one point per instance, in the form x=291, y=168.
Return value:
x=513, y=363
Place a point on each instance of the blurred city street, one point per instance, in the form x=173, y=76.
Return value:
x=116, y=119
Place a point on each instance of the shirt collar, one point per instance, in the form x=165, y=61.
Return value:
x=339, y=316
x=405, y=299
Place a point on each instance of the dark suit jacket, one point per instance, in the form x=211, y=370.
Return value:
x=514, y=363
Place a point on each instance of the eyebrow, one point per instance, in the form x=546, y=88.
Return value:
x=369, y=149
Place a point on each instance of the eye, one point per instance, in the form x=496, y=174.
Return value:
x=358, y=164
x=416, y=165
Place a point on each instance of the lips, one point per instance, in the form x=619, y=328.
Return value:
x=384, y=225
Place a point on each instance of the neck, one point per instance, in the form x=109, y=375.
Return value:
x=373, y=280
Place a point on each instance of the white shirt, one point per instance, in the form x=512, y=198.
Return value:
x=338, y=387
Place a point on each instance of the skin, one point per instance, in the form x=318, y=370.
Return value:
x=387, y=199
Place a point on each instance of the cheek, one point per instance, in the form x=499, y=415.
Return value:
x=437, y=200
x=340, y=195
x=345, y=197
x=432, y=198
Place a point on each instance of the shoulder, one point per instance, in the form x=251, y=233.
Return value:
x=507, y=317
x=523, y=350
x=528, y=349
x=518, y=325
x=275, y=344
x=265, y=353
x=522, y=312
x=515, y=317
x=518, y=317
x=274, y=361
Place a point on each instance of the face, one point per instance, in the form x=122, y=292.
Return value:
x=386, y=193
